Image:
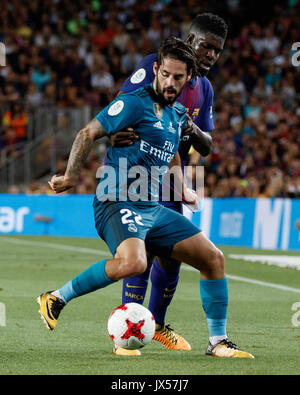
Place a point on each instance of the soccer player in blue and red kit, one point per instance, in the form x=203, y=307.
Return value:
x=135, y=223
x=207, y=35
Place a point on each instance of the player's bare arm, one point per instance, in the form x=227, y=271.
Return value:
x=201, y=141
x=81, y=148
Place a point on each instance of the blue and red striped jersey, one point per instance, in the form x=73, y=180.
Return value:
x=196, y=96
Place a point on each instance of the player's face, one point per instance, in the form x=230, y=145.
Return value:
x=170, y=79
x=209, y=47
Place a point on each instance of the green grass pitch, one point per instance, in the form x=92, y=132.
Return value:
x=259, y=317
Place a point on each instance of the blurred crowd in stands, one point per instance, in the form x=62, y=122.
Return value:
x=69, y=53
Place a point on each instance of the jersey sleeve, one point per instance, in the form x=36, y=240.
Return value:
x=123, y=112
x=205, y=119
x=142, y=75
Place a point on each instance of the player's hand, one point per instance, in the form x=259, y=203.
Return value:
x=191, y=198
x=124, y=138
x=188, y=130
x=60, y=183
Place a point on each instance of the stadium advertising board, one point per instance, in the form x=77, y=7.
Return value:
x=257, y=223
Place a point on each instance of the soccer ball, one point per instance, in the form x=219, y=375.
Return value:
x=131, y=326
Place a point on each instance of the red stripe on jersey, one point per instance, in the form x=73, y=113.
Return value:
x=191, y=97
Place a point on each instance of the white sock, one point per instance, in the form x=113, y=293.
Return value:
x=216, y=339
x=57, y=294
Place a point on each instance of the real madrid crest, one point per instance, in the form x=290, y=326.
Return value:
x=132, y=228
x=158, y=110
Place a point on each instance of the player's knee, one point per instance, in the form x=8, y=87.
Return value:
x=214, y=263
x=218, y=261
x=136, y=265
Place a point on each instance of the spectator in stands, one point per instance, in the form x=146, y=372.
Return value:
x=57, y=61
x=121, y=38
x=103, y=82
x=273, y=76
x=22, y=70
x=46, y=36
x=131, y=58
x=16, y=119
x=257, y=40
x=41, y=75
x=33, y=188
x=235, y=85
x=14, y=189
x=270, y=42
x=73, y=97
x=9, y=94
x=261, y=90
x=33, y=97
x=11, y=142
x=252, y=110
x=154, y=32
x=44, y=189
x=49, y=97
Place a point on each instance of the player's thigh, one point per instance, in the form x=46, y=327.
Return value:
x=169, y=228
x=199, y=252
x=168, y=264
x=129, y=260
x=117, y=222
x=133, y=251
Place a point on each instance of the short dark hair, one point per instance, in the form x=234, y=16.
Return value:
x=175, y=48
x=208, y=22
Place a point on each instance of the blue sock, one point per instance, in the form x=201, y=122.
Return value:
x=214, y=295
x=88, y=281
x=164, y=284
x=134, y=288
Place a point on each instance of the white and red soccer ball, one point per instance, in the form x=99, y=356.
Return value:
x=131, y=326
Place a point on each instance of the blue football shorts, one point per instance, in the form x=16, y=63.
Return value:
x=173, y=205
x=160, y=227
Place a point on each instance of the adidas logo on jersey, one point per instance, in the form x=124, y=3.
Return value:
x=158, y=125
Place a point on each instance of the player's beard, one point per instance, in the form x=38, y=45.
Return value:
x=160, y=93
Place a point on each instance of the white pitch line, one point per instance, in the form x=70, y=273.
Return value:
x=105, y=253
x=264, y=284
x=52, y=245
x=251, y=281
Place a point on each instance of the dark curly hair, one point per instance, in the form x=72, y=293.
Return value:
x=208, y=22
x=176, y=48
